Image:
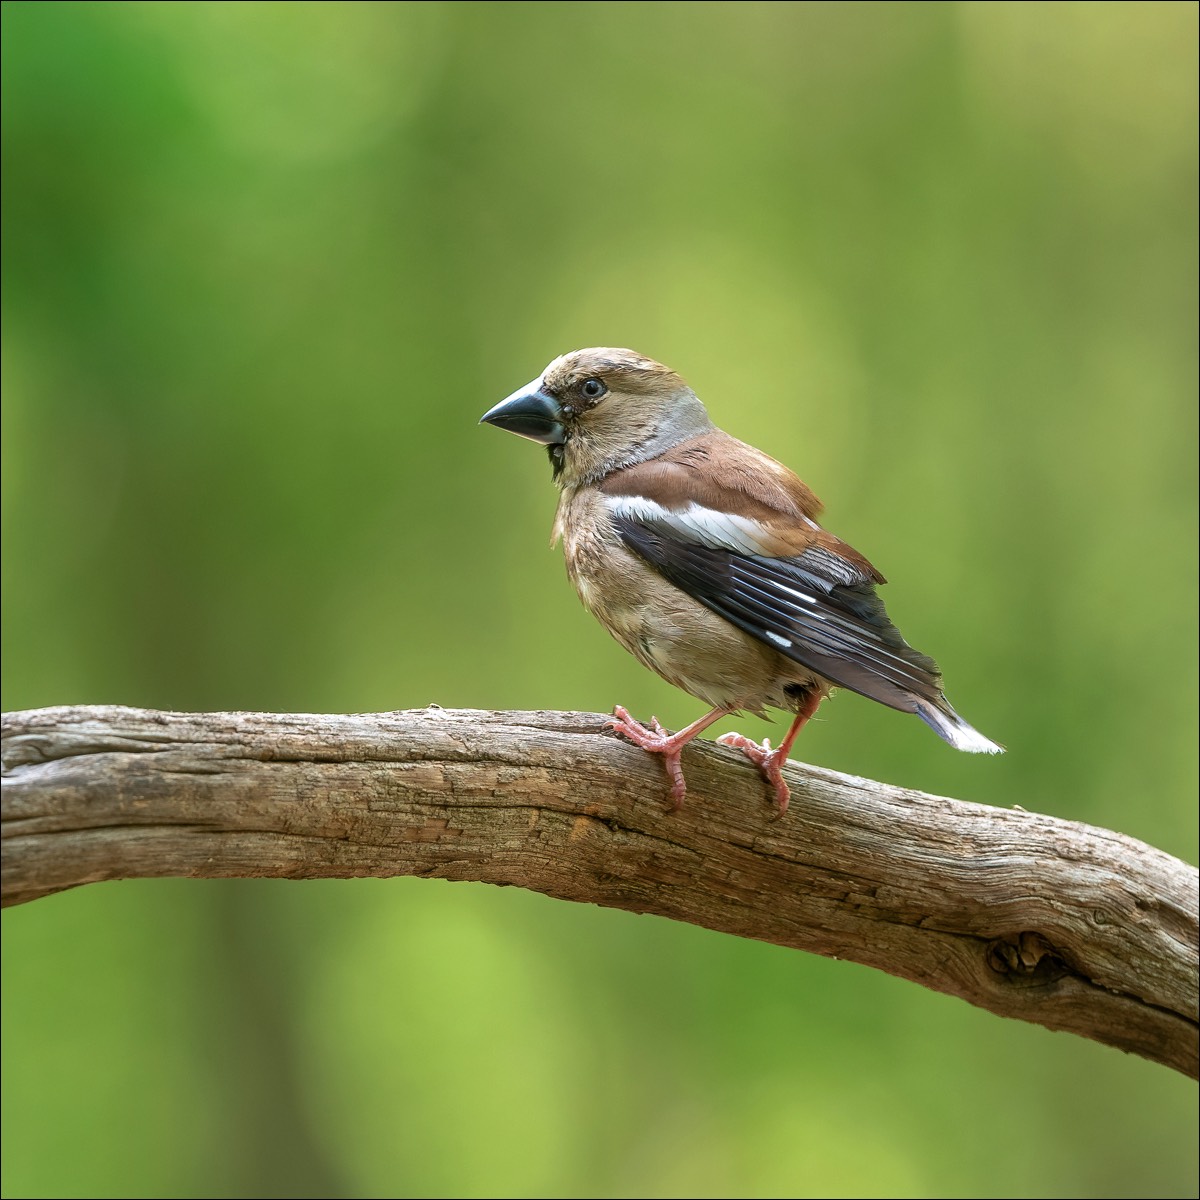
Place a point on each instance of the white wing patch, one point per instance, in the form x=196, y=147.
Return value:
x=705, y=526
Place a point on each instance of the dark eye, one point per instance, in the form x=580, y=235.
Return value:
x=593, y=388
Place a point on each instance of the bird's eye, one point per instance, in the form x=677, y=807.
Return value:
x=593, y=389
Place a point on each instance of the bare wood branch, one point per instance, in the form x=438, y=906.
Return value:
x=1071, y=927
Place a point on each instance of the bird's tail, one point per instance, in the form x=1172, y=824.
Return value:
x=949, y=726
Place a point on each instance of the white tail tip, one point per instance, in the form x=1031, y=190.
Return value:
x=953, y=729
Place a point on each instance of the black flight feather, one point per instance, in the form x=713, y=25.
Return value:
x=817, y=609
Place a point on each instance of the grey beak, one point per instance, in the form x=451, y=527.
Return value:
x=530, y=413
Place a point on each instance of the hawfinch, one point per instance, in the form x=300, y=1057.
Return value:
x=704, y=559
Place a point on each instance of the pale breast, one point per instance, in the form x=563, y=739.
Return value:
x=664, y=628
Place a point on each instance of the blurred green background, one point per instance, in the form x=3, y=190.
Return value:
x=264, y=267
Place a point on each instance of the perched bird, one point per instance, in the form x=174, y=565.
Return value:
x=702, y=556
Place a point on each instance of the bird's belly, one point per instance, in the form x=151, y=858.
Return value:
x=675, y=636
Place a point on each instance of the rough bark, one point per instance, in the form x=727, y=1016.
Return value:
x=1072, y=927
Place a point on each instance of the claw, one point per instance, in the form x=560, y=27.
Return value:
x=656, y=740
x=769, y=762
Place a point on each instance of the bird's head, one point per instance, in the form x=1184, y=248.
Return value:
x=601, y=409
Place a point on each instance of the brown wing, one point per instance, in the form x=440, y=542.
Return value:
x=736, y=531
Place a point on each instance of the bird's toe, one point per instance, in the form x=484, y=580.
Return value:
x=769, y=762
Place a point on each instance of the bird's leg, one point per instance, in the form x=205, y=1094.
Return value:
x=670, y=746
x=770, y=762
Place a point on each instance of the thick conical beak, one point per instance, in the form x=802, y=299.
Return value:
x=530, y=413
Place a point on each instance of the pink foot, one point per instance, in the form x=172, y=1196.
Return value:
x=769, y=762
x=656, y=742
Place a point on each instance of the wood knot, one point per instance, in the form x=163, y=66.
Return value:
x=1026, y=960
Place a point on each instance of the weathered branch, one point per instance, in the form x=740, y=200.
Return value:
x=1062, y=924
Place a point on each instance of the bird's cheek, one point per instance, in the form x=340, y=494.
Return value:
x=577, y=452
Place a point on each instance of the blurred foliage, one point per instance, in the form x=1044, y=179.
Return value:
x=266, y=264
